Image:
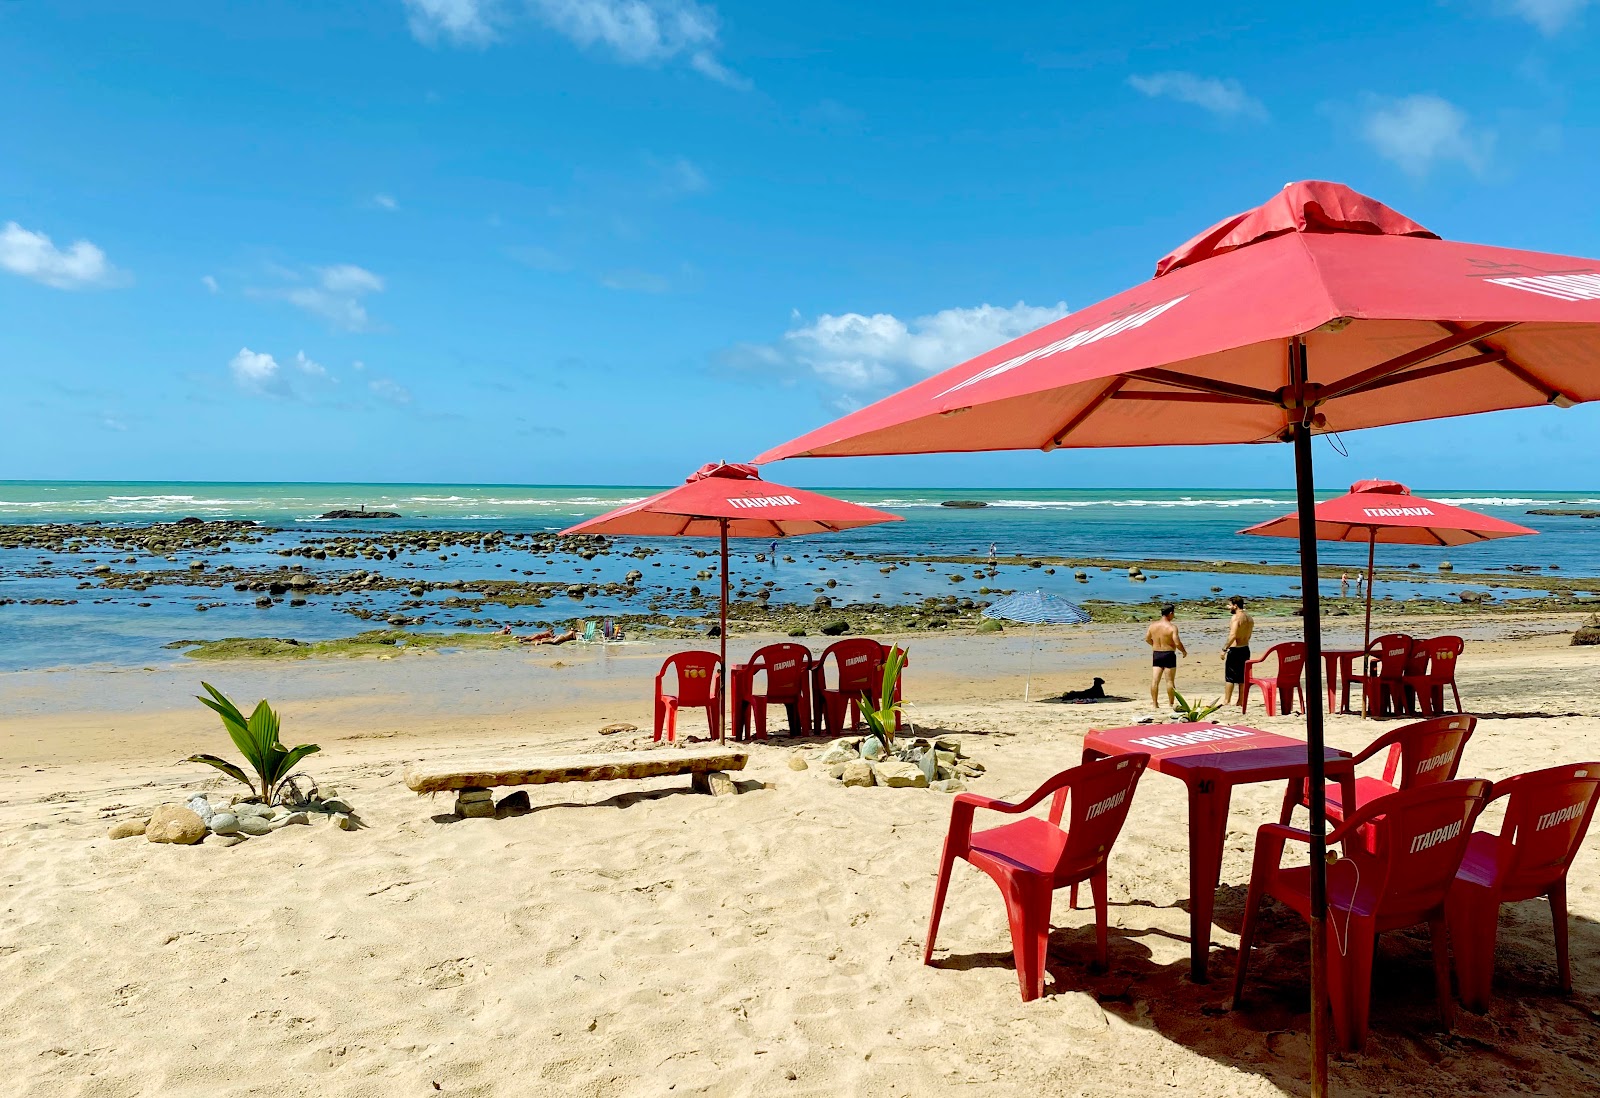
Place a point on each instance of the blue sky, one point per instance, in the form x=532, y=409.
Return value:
x=602, y=241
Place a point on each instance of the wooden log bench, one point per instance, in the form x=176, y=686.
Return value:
x=605, y=766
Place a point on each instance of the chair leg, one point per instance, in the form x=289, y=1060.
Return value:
x=1244, y=696
x=661, y=714
x=760, y=722
x=1558, y=915
x=946, y=860
x=1454, y=691
x=670, y=725
x=1441, y=972
x=1293, y=797
x=1269, y=692
x=1028, y=909
x=1473, y=915
x=1350, y=976
x=714, y=720
x=1102, y=919
x=1247, y=934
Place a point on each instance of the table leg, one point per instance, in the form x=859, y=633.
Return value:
x=1208, y=830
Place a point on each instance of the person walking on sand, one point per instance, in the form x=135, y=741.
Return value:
x=1165, y=648
x=1236, y=649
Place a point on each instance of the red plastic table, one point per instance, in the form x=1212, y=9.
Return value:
x=1337, y=665
x=1211, y=759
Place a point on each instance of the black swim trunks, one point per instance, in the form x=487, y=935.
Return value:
x=1163, y=659
x=1233, y=667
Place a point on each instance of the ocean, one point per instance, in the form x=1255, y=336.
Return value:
x=97, y=626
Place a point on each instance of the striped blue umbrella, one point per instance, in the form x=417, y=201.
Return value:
x=1036, y=608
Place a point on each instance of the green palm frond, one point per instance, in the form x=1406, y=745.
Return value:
x=256, y=737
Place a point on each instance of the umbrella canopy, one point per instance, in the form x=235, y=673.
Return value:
x=720, y=495
x=1321, y=310
x=1395, y=324
x=1385, y=511
x=1036, y=608
x=721, y=500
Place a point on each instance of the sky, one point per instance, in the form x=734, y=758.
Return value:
x=604, y=241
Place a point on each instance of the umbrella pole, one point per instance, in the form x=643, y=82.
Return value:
x=1366, y=633
x=722, y=635
x=1305, y=495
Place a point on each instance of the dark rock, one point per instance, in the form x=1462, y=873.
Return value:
x=363, y=513
x=964, y=503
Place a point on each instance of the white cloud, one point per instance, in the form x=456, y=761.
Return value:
x=1224, y=98
x=34, y=255
x=856, y=352
x=258, y=373
x=388, y=389
x=309, y=366
x=1550, y=16
x=210, y=283
x=463, y=22
x=1421, y=131
x=336, y=296
x=386, y=202
x=643, y=32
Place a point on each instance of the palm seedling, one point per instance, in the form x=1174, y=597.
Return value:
x=256, y=737
x=880, y=715
x=1193, y=712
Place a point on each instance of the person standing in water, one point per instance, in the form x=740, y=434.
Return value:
x=1236, y=649
x=1344, y=585
x=1165, y=647
x=994, y=554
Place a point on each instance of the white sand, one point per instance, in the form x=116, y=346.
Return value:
x=633, y=938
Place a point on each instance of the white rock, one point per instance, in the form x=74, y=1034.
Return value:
x=254, y=825
x=288, y=819
x=223, y=823
x=948, y=785
x=839, y=751
x=201, y=807
x=899, y=775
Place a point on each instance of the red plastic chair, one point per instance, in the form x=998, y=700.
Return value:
x=1381, y=676
x=858, y=670
x=1424, y=753
x=787, y=668
x=1281, y=687
x=696, y=673
x=1420, y=836
x=1426, y=684
x=1546, y=819
x=1033, y=857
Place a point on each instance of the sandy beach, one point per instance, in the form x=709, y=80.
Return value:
x=633, y=938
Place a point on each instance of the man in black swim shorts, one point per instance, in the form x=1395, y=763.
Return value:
x=1165, y=645
x=1236, y=649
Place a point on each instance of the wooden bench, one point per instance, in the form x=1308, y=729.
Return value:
x=605, y=766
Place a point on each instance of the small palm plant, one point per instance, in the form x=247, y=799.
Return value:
x=880, y=717
x=1193, y=712
x=256, y=737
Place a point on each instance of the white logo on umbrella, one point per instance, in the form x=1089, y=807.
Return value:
x=747, y=502
x=1080, y=338
x=1564, y=287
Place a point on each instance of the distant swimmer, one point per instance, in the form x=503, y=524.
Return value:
x=1236, y=649
x=1166, y=646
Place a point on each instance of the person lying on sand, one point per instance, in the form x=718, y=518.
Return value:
x=546, y=636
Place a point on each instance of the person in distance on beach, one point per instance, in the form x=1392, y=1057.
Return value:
x=1165, y=647
x=1236, y=649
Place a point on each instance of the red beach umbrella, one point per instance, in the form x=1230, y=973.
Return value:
x=1320, y=310
x=732, y=501
x=1386, y=511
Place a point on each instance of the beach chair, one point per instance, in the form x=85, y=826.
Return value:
x=1401, y=881
x=1033, y=857
x=1546, y=818
x=1426, y=684
x=588, y=634
x=858, y=670
x=1280, y=688
x=787, y=668
x=1424, y=753
x=696, y=688
x=1381, y=676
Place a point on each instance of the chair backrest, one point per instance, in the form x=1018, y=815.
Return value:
x=1291, y=661
x=1443, y=654
x=1390, y=651
x=1417, y=660
x=1418, y=838
x=588, y=630
x=1546, y=818
x=858, y=662
x=786, y=666
x=1097, y=798
x=697, y=676
x=1425, y=753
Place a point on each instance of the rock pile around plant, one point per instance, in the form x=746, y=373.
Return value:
x=909, y=764
x=240, y=819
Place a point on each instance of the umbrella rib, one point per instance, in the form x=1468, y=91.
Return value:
x=1085, y=412
x=1206, y=385
x=1459, y=337
x=1425, y=372
x=1512, y=367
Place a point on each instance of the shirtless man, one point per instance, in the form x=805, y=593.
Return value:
x=1236, y=649
x=1165, y=647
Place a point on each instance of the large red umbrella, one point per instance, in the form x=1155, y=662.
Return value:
x=1321, y=310
x=1386, y=511
x=732, y=501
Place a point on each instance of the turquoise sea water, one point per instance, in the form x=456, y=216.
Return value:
x=1129, y=525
